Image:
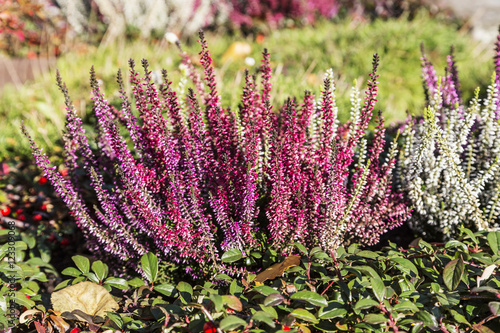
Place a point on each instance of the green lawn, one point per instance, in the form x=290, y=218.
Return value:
x=299, y=58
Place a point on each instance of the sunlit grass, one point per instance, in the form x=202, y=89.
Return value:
x=299, y=59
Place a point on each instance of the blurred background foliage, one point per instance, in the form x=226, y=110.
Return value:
x=304, y=37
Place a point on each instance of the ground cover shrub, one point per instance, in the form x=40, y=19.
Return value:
x=447, y=287
x=449, y=163
x=193, y=179
x=40, y=218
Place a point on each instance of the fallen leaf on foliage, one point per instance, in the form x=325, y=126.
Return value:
x=61, y=325
x=82, y=300
x=277, y=269
x=27, y=315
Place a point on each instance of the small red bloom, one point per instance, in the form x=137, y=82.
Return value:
x=43, y=207
x=51, y=238
x=209, y=327
x=65, y=242
x=28, y=296
x=286, y=328
x=37, y=217
x=64, y=172
x=75, y=330
x=21, y=217
x=19, y=211
x=260, y=39
x=42, y=180
x=5, y=211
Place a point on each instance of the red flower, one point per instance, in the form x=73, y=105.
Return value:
x=42, y=180
x=28, y=296
x=21, y=217
x=19, y=211
x=260, y=39
x=209, y=327
x=64, y=172
x=37, y=217
x=75, y=330
x=5, y=211
x=286, y=328
x=65, y=242
x=43, y=207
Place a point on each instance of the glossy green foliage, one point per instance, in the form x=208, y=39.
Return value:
x=451, y=286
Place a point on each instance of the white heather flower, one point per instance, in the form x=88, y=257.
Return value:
x=249, y=61
x=171, y=37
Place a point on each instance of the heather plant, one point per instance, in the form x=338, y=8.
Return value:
x=191, y=183
x=449, y=163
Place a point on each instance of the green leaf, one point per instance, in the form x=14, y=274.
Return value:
x=310, y=297
x=270, y=310
x=301, y=248
x=232, y=302
x=116, y=318
x=100, y=269
x=256, y=254
x=231, y=322
x=264, y=317
x=303, y=314
x=333, y=313
x=425, y=246
x=136, y=282
x=273, y=299
x=452, y=273
x=368, y=270
x=185, y=291
x=92, y=277
x=71, y=271
x=264, y=290
x=405, y=306
x=417, y=327
x=494, y=308
x=231, y=255
x=118, y=283
x=459, y=318
x=149, y=264
x=82, y=263
x=378, y=288
x=21, y=299
x=470, y=234
x=29, y=240
x=217, y=300
x=40, y=276
x=427, y=319
x=235, y=287
x=375, y=318
x=315, y=250
x=165, y=289
x=365, y=303
x=368, y=254
x=405, y=265
x=494, y=241
x=63, y=284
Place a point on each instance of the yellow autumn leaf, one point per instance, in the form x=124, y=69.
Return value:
x=88, y=297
